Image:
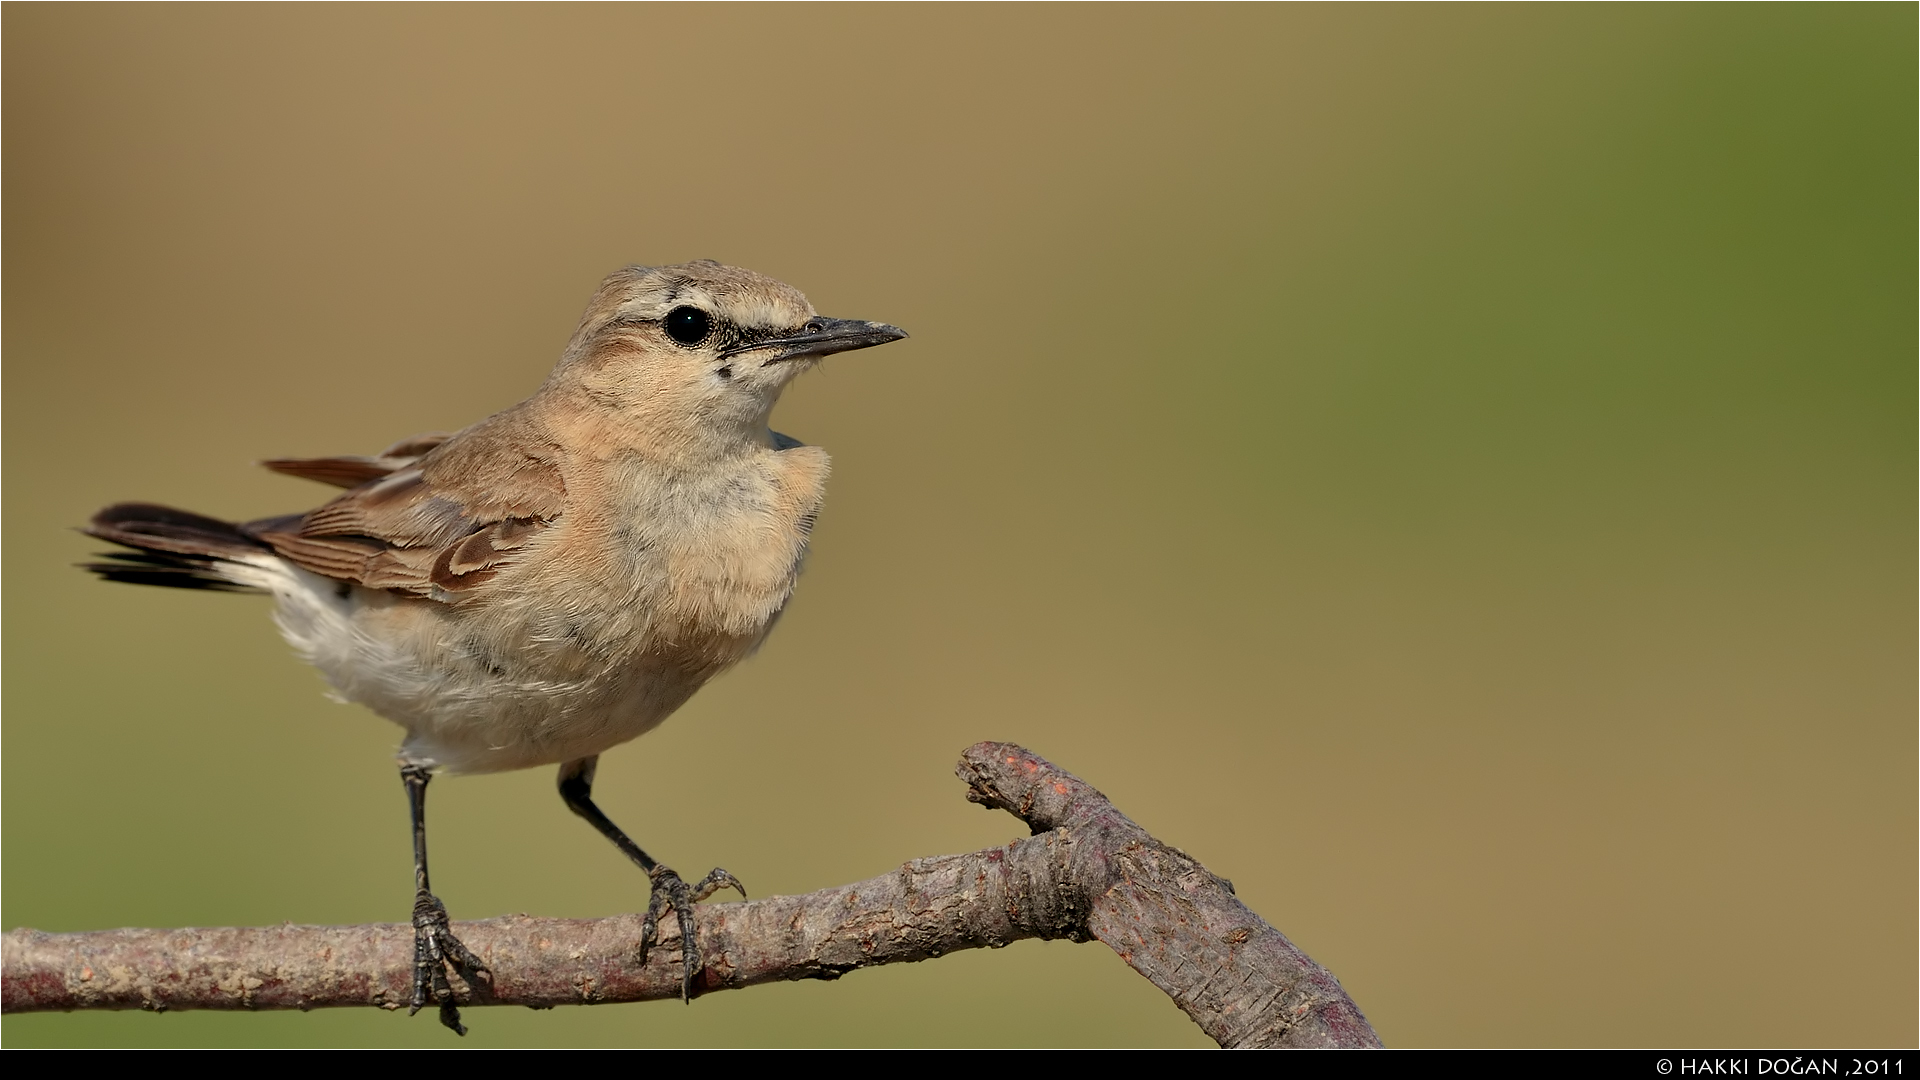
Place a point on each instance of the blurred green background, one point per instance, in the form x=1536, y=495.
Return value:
x=1451, y=469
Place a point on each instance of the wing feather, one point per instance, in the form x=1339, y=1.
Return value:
x=438, y=524
x=352, y=470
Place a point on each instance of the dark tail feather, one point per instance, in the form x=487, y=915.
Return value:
x=171, y=547
x=174, y=571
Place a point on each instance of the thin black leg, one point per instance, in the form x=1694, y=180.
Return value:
x=434, y=946
x=669, y=891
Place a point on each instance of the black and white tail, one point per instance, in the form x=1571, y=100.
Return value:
x=180, y=550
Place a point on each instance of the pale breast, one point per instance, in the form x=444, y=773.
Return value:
x=607, y=625
x=707, y=553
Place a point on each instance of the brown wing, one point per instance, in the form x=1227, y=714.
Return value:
x=352, y=470
x=436, y=528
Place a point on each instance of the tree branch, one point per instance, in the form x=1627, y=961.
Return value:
x=1087, y=873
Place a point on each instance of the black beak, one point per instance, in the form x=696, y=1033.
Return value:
x=820, y=337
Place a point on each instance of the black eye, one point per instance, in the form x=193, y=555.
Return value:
x=688, y=325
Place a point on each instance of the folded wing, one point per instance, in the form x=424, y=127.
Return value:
x=440, y=518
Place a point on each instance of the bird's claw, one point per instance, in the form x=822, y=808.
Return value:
x=434, y=949
x=670, y=892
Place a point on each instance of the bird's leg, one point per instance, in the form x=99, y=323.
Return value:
x=669, y=891
x=434, y=946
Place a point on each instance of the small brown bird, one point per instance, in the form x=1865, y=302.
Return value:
x=558, y=578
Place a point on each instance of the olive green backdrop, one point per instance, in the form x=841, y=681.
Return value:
x=1450, y=469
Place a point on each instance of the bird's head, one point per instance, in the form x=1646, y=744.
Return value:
x=701, y=350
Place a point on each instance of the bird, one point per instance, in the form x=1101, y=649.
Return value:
x=556, y=579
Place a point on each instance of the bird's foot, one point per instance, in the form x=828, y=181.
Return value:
x=434, y=949
x=670, y=892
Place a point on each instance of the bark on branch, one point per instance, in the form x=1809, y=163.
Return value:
x=1087, y=873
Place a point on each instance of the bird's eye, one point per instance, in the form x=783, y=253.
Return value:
x=689, y=325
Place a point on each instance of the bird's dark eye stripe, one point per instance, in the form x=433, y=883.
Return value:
x=688, y=325
x=742, y=338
